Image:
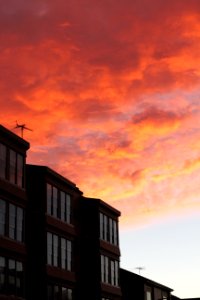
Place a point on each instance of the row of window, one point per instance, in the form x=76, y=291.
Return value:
x=59, y=252
x=108, y=229
x=109, y=271
x=155, y=293
x=11, y=221
x=11, y=165
x=58, y=204
x=55, y=292
x=11, y=277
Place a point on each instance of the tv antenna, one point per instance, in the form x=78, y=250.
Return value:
x=140, y=269
x=22, y=127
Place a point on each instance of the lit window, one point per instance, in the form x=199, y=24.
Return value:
x=148, y=295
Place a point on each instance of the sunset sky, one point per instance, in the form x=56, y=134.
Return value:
x=111, y=89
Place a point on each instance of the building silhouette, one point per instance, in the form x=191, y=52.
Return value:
x=144, y=288
x=13, y=206
x=55, y=243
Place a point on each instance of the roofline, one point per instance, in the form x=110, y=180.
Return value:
x=148, y=280
x=50, y=171
x=17, y=139
x=103, y=203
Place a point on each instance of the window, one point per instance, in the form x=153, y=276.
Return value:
x=2, y=161
x=59, y=252
x=55, y=202
x=11, y=166
x=55, y=250
x=49, y=248
x=109, y=271
x=20, y=170
x=148, y=295
x=16, y=217
x=12, y=280
x=108, y=229
x=58, y=292
x=2, y=216
x=49, y=200
x=13, y=227
x=12, y=220
x=2, y=274
x=58, y=204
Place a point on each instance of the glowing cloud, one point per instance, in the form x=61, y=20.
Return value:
x=111, y=89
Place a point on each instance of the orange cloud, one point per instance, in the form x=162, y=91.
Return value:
x=111, y=91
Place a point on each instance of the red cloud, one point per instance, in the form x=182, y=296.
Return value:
x=111, y=91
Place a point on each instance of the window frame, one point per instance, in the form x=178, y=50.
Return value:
x=58, y=203
x=55, y=253
x=108, y=229
x=13, y=281
x=14, y=165
x=18, y=221
x=109, y=270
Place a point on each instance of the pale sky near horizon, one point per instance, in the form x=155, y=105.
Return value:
x=111, y=89
x=168, y=249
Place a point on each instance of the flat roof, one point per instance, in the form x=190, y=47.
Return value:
x=104, y=204
x=53, y=173
x=9, y=135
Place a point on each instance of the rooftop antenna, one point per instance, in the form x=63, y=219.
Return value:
x=140, y=269
x=22, y=127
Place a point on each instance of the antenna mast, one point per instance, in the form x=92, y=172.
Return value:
x=22, y=127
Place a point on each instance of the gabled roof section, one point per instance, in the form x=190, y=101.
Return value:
x=144, y=279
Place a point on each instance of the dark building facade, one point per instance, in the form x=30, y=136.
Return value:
x=138, y=287
x=99, y=251
x=51, y=241
x=13, y=203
